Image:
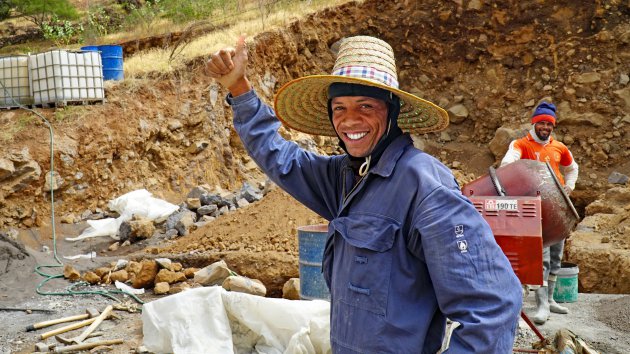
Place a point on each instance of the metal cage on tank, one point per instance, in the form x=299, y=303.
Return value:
x=61, y=77
x=15, y=89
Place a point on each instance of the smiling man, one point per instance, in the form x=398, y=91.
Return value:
x=405, y=248
x=365, y=121
x=541, y=146
x=360, y=122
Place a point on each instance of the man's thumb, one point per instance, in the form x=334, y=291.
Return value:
x=241, y=48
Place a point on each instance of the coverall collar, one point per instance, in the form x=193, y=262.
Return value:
x=392, y=153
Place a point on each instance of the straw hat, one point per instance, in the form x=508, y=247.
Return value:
x=302, y=104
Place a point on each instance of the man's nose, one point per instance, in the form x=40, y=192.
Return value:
x=352, y=116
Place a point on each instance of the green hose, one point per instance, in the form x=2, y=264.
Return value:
x=48, y=277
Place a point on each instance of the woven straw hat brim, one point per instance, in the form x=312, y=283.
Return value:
x=302, y=104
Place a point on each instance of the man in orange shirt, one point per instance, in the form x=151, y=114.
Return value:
x=541, y=146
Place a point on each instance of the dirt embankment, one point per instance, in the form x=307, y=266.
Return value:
x=488, y=64
x=601, y=244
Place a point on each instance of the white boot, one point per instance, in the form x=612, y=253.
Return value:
x=542, y=305
x=553, y=305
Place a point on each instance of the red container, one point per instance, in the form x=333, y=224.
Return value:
x=530, y=178
x=517, y=227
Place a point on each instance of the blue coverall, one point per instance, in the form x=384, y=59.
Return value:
x=405, y=248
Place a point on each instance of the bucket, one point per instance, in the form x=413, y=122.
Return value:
x=311, y=244
x=567, y=283
x=112, y=56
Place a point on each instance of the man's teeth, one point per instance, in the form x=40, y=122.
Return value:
x=355, y=136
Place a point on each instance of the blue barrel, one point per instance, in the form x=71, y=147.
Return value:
x=112, y=57
x=311, y=244
x=90, y=48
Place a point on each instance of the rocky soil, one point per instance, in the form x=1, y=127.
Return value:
x=600, y=246
x=488, y=64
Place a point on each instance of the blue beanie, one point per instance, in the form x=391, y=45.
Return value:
x=545, y=111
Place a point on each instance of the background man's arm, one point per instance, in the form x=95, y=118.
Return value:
x=513, y=154
x=570, y=172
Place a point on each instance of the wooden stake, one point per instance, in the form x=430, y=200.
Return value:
x=83, y=346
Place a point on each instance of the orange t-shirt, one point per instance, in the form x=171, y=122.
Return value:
x=556, y=153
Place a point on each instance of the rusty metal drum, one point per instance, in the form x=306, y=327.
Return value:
x=530, y=178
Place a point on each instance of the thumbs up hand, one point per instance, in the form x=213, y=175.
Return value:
x=229, y=67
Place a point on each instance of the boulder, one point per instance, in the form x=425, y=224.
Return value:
x=291, y=289
x=501, y=141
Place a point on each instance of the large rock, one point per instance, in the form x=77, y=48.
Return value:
x=249, y=193
x=186, y=222
x=197, y=192
x=6, y=168
x=244, y=285
x=617, y=178
x=213, y=274
x=146, y=276
x=53, y=181
x=291, y=289
x=91, y=278
x=501, y=141
x=181, y=221
x=70, y=273
x=457, y=113
x=566, y=116
x=133, y=267
x=161, y=288
x=193, y=203
x=588, y=118
x=210, y=209
x=120, y=275
x=17, y=171
x=588, y=78
x=141, y=228
x=168, y=276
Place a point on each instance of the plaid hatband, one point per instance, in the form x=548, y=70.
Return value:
x=364, y=72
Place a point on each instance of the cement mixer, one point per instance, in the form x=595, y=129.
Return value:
x=527, y=209
x=530, y=178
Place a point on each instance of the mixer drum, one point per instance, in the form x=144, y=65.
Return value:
x=530, y=178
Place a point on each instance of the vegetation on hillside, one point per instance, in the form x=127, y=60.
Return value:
x=118, y=21
x=42, y=12
x=115, y=21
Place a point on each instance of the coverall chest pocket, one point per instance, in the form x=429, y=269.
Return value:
x=363, y=261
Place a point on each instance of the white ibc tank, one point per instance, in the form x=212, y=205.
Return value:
x=61, y=76
x=14, y=89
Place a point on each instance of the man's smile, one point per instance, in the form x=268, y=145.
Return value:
x=356, y=136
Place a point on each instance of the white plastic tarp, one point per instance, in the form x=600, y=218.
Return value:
x=139, y=202
x=212, y=320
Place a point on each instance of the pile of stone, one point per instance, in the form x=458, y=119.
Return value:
x=144, y=274
x=200, y=207
x=167, y=277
